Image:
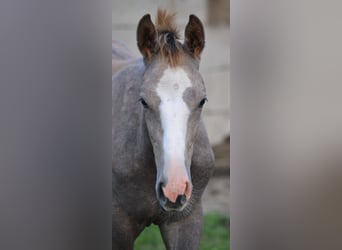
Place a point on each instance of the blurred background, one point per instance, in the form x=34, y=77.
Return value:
x=215, y=69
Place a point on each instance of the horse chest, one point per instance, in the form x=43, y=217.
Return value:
x=133, y=188
x=138, y=204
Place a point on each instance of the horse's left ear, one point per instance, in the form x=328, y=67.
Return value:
x=147, y=37
x=194, y=36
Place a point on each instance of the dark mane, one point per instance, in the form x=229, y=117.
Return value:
x=168, y=38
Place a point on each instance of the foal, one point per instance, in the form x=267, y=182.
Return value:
x=162, y=158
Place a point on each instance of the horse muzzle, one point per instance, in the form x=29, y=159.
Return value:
x=174, y=195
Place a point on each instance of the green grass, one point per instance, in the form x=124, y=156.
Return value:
x=215, y=235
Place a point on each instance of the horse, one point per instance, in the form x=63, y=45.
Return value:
x=161, y=156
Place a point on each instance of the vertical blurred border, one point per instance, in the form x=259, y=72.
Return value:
x=286, y=125
x=55, y=125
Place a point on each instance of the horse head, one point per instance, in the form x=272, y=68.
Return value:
x=172, y=96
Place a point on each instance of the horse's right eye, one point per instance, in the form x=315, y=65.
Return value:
x=202, y=102
x=143, y=102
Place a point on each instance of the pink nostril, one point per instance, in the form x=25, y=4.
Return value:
x=174, y=189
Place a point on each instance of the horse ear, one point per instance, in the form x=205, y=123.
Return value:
x=146, y=37
x=194, y=36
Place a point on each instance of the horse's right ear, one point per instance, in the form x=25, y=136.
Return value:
x=194, y=36
x=146, y=37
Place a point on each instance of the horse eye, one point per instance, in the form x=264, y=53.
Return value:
x=143, y=102
x=203, y=101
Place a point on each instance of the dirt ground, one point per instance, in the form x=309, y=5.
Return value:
x=216, y=195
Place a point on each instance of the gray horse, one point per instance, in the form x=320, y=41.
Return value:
x=162, y=158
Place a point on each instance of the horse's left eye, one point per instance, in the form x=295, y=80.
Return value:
x=202, y=102
x=143, y=102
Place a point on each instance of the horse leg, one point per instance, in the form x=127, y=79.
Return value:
x=123, y=231
x=184, y=234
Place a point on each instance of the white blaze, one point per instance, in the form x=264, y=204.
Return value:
x=174, y=114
